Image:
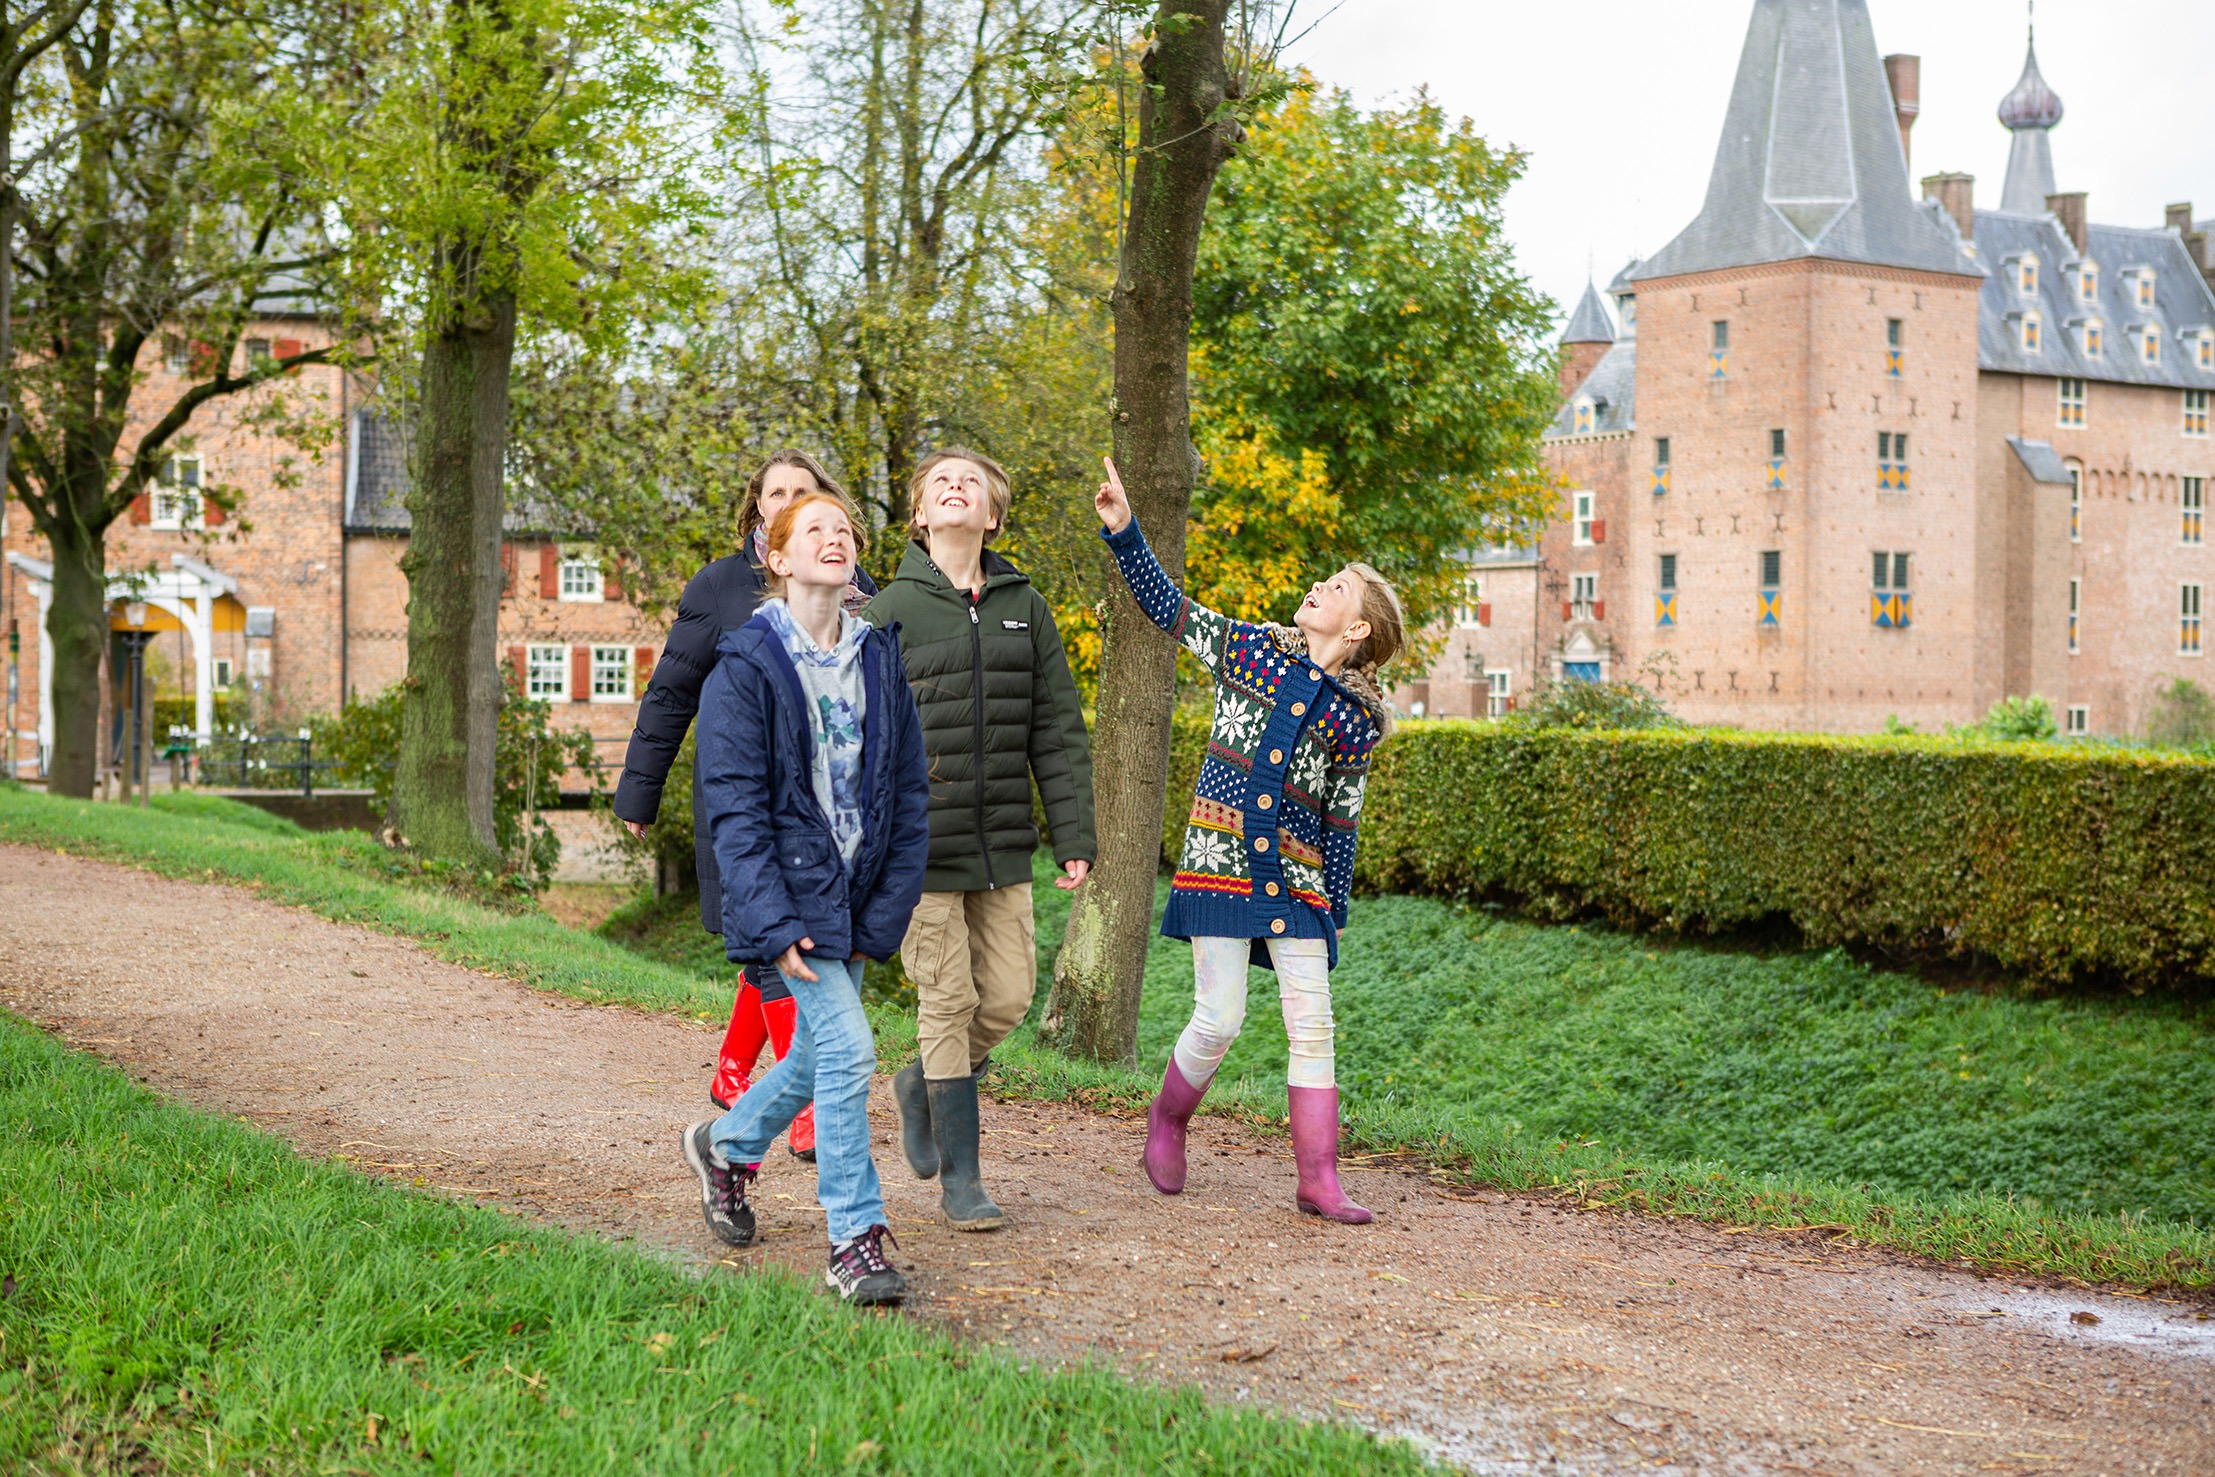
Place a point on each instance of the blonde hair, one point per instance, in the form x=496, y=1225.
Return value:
x=1380, y=607
x=782, y=527
x=999, y=492
x=749, y=515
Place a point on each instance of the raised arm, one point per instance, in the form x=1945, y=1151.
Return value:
x=1202, y=630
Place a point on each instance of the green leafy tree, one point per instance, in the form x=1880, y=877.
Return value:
x=152, y=205
x=528, y=170
x=2183, y=715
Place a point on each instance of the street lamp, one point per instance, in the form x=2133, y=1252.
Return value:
x=136, y=765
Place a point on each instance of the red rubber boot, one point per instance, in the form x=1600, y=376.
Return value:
x=782, y=1016
x=742, y=1041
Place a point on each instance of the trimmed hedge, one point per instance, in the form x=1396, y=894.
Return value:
x=2059, y=863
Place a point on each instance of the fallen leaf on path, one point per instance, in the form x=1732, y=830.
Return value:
x=1247, y=1356
x=2081, y=1316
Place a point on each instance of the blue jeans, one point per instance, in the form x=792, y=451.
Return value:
x=832, y=1059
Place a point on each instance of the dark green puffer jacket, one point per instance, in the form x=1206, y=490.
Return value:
x=998, y=705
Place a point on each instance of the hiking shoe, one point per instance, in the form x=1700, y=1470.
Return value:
x=860, y=1272
x=722, y=1187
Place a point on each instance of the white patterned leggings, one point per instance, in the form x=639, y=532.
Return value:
x=1219, y=1007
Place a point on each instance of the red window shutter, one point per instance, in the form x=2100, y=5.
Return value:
x=1599, y=610
x=507, y=569
x=211, y=513
x=286, y=348
x=549, y=572
x=522, y=667
x=645, y=667
x=1568, y=611
x=1484, y=613
x=1511, y=705
x=142, y=508
x=611, y=583
x=580, y=674
x=1599, y=530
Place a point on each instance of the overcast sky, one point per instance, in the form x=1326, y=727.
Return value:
x=1620, y=102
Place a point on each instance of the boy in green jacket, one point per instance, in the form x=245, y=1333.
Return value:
x=999, y=708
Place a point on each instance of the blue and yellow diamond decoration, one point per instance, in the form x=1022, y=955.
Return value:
x=1892, y=361
x=1716, y=364
x=1891, y=609
x=1776, y=474
x=1665, y=609
x=1770, y=600
x=1661, y=480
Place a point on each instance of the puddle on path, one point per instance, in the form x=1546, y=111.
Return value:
x=2152, y=1326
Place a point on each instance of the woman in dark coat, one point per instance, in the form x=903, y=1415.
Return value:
x=719, y=599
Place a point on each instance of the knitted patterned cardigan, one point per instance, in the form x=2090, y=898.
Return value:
x=1269, y=848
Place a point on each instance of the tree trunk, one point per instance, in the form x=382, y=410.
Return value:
x=1093, y=1011
x=78, y=623
x=449, y=722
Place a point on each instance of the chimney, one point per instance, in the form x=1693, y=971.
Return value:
x=1904, y=75
x=2179, y=218
x=2070, y=209
x=1957, y=193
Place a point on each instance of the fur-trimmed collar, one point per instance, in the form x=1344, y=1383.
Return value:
x=1360, y=683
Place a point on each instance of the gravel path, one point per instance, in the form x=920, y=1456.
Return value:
x=1506, y=1334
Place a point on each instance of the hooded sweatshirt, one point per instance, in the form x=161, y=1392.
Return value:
x=837, y=704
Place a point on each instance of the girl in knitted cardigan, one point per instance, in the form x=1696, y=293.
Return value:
x=1269, y=850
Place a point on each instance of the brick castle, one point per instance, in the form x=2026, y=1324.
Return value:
x=1841, y=454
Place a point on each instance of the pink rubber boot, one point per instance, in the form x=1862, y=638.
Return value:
x=1315, y=1151
x=1165, y=1128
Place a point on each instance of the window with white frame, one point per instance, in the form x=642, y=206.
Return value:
x=2078, y=721
x=1582, y=504
x=1584, y=594
x=611, y=674
x=2141, y=286
x=2088, y=282
x=2076, y=503
x=2071, y=397
x=2191, y=499
x=220, y=676
x=546, y=673
x=2030, y=330
x=2149, y=343
x=176, y=354
x=1497, y=695
x=174, y=501
x=2076, y=608
x=2024, y=268
x=257, y=353
x=2188, y=620
x=1469, y=612
x=2203, y=348
x=2195, y=412
x=2094, y=338
x=580, y=579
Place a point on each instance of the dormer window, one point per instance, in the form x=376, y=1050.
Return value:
x=2149, y=342
x=2088, y=282
x=1583, y=419
x=2199, y=346
x=2141, y=286
x=2089, y=337
x=2024, y=269
x=1626, y=313
x=2030, y=331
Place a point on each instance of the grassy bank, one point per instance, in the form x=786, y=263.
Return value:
x=181, y=1290
x=1790, y=1091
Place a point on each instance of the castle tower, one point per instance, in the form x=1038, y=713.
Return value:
x=2029, y=112
x=1805, y=400
x=1590, y=334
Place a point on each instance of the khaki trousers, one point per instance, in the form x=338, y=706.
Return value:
x=974, y=959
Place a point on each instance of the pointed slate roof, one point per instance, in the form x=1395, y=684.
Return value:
x=1810, y=163
x=2029, y=112
x=1589, y=324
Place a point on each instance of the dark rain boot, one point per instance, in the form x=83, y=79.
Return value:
x=1315, y=1151
x=912, y=1099
x=954, y=1126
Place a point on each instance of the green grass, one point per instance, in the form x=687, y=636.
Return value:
x=1799, y=1089
x=181, y=1290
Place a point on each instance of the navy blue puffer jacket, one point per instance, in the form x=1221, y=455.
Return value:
x=782, y=880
